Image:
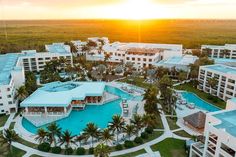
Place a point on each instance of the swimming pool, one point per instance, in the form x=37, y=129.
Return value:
x=193, y=98
x=101, y=115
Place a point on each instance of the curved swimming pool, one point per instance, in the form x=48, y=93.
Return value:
x=101, y=115
x=193, y=98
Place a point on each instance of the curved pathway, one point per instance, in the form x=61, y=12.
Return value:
x=167, y=134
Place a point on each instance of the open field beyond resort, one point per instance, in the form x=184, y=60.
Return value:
x=19, y=35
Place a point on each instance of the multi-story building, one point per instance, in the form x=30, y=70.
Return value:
x=12, y=76
x=216, y=51
x=220, y=134
x=140, y=54
x=14, y=65
x=225, y=76
x=35, y=62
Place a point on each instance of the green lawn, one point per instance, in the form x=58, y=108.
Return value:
x=27, y=143
x=133, y=154
x=183, y=134
x=190, y=88
x=172, y=123
x=12, y=125
x=170, y=148
x=3, y=119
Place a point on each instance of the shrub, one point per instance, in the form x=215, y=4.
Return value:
x=149, y=130
x=144, y=135
x=68, y=151
x=80, y=151
x=91, y=150
x=56, y=150
x=215, y=100
x=138, y=140
x=45, y=147
x=119, y=147
x=113, y=72
x=129, y=144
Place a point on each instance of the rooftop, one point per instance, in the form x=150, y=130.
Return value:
x=7, y=64
x=226, y=46
x=58, y=48
x=228, y=121
x=62, y=93
x=222, y=68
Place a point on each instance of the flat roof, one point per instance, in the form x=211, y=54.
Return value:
x=228, y=121
x=61, y=94
x=57, y=48
x=7, y=64
x=226, y=46
x=221, y=68
x=178, y=61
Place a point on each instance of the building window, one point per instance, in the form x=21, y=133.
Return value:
x=9, y=102
x=8, y=89
x=144, y=59
x=133, y=59
x=127, y=58
x=150, y=60
x=2, y=110
x=231, y=81
x=8, y=96
x=139, y=59
x=1, y=104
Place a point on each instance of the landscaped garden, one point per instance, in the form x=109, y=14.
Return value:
x=3, y=119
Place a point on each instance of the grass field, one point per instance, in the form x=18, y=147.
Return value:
x=18, y=35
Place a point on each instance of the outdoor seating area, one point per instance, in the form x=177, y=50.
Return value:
x=181, y=101
x=125, y=107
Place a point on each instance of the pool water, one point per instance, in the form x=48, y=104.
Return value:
x=199, y=103
x=101, y=115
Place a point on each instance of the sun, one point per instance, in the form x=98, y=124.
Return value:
x=138, y=9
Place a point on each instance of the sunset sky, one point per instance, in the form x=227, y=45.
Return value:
x=117, y=9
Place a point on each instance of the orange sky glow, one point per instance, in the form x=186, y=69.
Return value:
x=117, y=9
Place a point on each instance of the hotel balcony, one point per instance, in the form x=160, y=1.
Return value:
x=198, y=149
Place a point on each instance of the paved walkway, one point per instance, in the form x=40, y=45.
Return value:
x=167, y=134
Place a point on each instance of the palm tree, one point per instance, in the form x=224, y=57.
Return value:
x=212, y=83
x=21, y=93
x=91, y=131
x=41, y=135
x=150, y=97
x=67, y=138
x=102, y=150
x=106, y=136
x=80, y=138
x=53, y=131
x=117, y=125
x=9, y=136
x=149, y=120
x=107, y=57
x=129, y=130
x=137, y=121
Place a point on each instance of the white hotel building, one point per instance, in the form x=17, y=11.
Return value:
x=220, y=134
x=226, y=77
x=35, y=62
x=215, y=51
x=140, y=54
x=14, y=65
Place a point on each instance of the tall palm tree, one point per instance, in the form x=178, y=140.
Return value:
x=92, y=131
x=41, y=135
x=106, y=136
x=67, y=138
x=21, y=93
x=129, y=130
x=117, y=125
x=53, y=131
x=80, y=138
x=102, y=150
x=212, y=83
x=149, y=120
x=9, y=136
x=137, y=121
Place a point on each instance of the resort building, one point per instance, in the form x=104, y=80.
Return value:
x=57, y=99
x=225, y=77
x=220, y=134
x=140, y=54
x=216, y=51
x=79, y=45
x=177, y=62
x=12, y=76
x=35, y=62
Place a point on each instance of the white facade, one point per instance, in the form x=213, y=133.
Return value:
x=225, y=76
x=216, y=51
x=79, y=45
x=220, y=135
x=12, y=76
x=35, y=62
x=140, y=54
